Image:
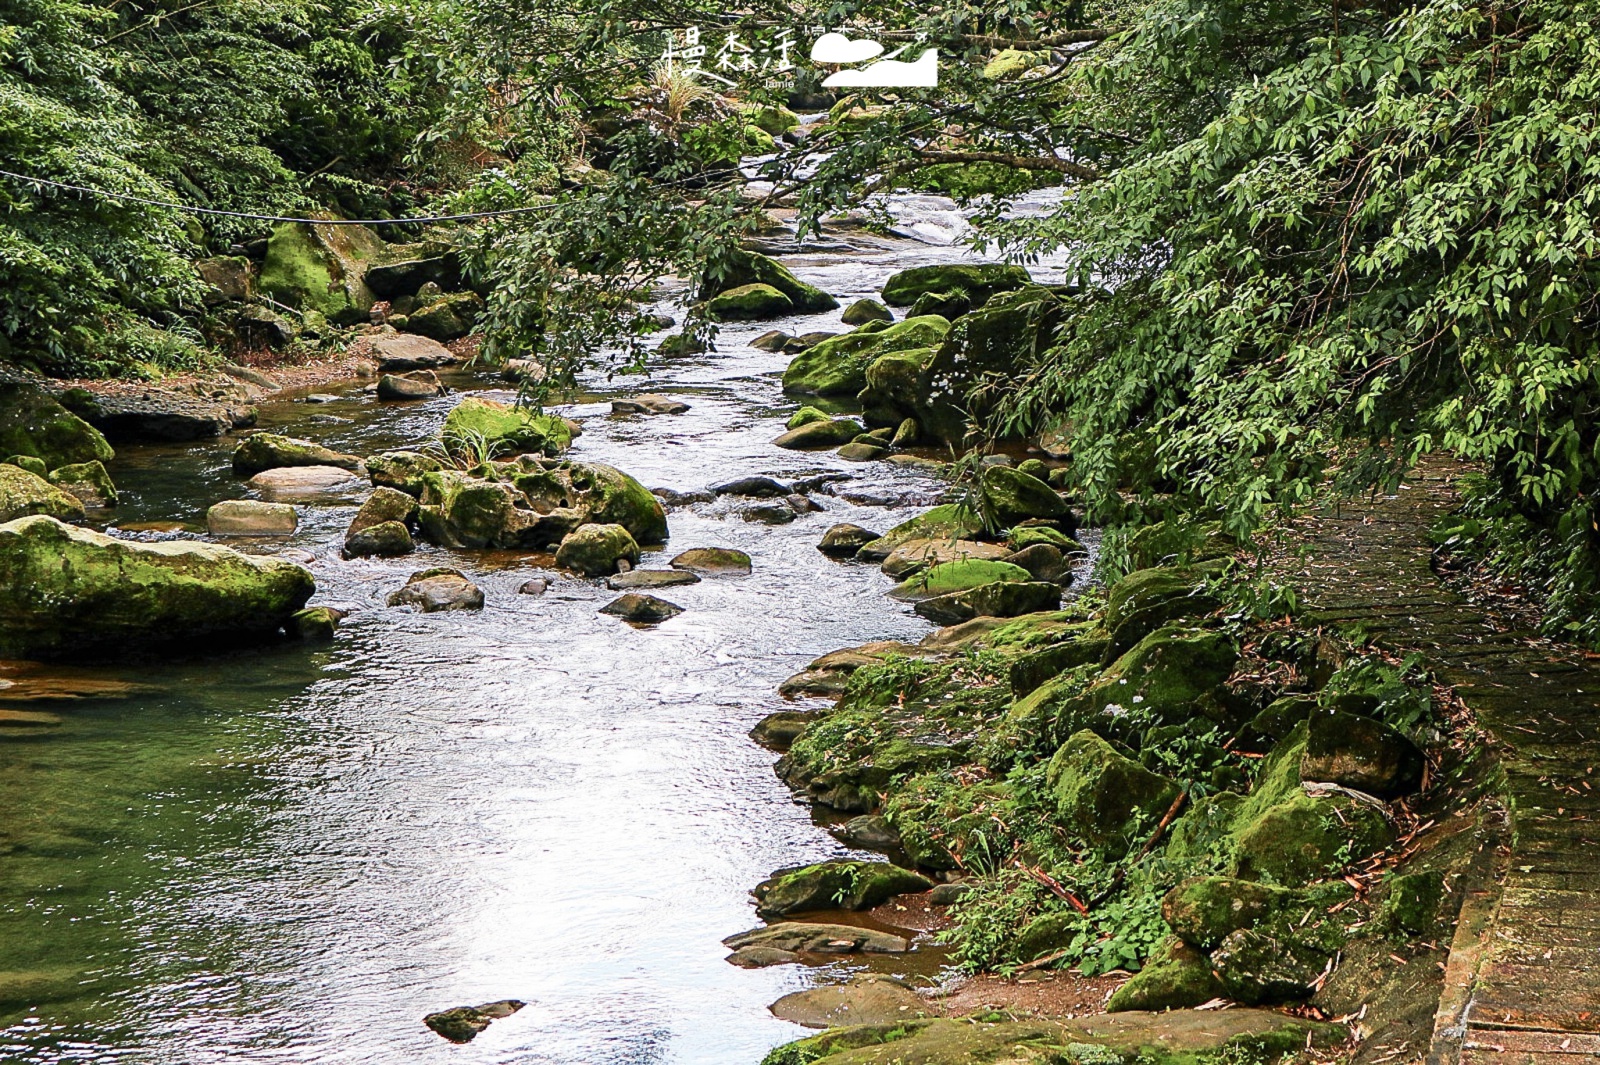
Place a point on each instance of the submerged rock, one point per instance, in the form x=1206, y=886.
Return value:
x=462, y=1024
x=68, y=591
x=289, y=483
x=23, y=493
x=269, y=451
x=641, y=609
x=249, y=517
x=754, y=487
x=439, y=589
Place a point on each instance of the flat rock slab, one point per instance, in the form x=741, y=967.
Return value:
x=714, y=560
x=867, y=999
x=634, y=580
x=408, y=351
x=160, y=415
x=804, y=937
x=27, y=718
x=650, y=403
x=36, y=682
x=248, y=517
x=290, y=483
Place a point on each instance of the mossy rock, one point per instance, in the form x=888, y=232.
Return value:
x=866, y=310
x=1013, y=496
x=1145, y=600
x=1204, y=910
x=939, y=823
x=957, y=576
x=1178, y=542
x=753, y=268
x=981, y=280
x=807, y=416
x=948, y=521
x=1256, y=967
x=1171, y=670
x=23, y=494
x=997, y=599
x=322, y=268
x=386, y=539
x=401, y=470
x=1000, y=341
x=838, y=366
x=447, y=318
x=66, y=591
x=835, y=885
x=1012, y=63
x=595, y=550
x=89, y=481
x=813, y=435
x=772, y=119
x=271, y=451
x=1361, y=753
x=1103, y=797
x=1307, y=837
x=1176, y=976
x=489, y=429
x=1031, y=670
x=847, y=758
x=1412, y=905
x=33, y=465
x=34, y=424
x=749, y=303
x=1025, y=536
x=892, y=383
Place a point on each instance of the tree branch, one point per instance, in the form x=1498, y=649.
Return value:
x=1019, y=162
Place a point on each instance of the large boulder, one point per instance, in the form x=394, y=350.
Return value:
x=1145, y=600
x=446, y=318
x=838, y=366
x=159, y=414
x=1176, y=976
x=1204, y=910
x=1257, y=967
x=1362, y=753
x=958, y=575
x=948, y=521
x=998, y=599
x=89, y=481
x=486, y=429
x=405, y=352
x=830, y=432
x=867, y=999
x=402, y=470
x=409, y=267
x=23, y=493
x=1013, y=496
x=320, y=267
x=33, y=423
x=978, y=280
x=753, y=268
x=270, y=451
x=66, y=591
x=1105, y=798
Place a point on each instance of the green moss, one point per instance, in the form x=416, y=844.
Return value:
x=943, y=824
x=806, y=416
x=1145, y=600
x=835, y=885
x=772, y=119
x=484, y=428
x=1176, y=976
x=23, y=493
x=838, y=366
x=1012, y=62
x=957, y=576
x=89, y=481
x=65, y=591
x=402, y=470
x=447, y=318
x=595, y=550
x=948, y=521
x=1025, y=536
x=749, y=302
x=1205, y=910
x=752, y=268
x=985, y=279
x=610, y=496
x=866, y=310
x=33, y=465
x=270, y=451
x=1103, y=797
x=1413, y=902
x=320, y=268
x=34, y=424
x=1306, y=837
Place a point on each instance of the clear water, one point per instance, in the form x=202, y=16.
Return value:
x=290, y=855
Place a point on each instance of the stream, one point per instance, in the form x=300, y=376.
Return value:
x=290, y=855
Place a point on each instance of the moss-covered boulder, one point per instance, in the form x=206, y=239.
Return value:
x=1145, y=600
x=813, y=435
x=1011, y=63
x=948, y=521
x=88, y=481
x=772, y=119
x=595, y=550
x=270, y=451
x=1204, y=910
x=23, y=493
x=34, y=424
x=322, y=268
x=1025, y=536
x=66, y=591
x=807, y=416
x=1104, y=798
x=753, y=268
x=1257, y=967
x=997, y=599
x=893, y=386
x=1413, y=902
x=486, y=429
x=1013, y=496
x=980, y=280
x=447, y=318
x=1179, y=542
x=717, y=561
x=866, y=310
x=834, y=885
x=530, y=503
x=957, y=576
x=915, y=556
x=35, y=466
x=749, y=303
x=983, y=352
x=1362, y=753
x=387, y=539
x=838, y=366
x=1176, y=976
x=401, y=470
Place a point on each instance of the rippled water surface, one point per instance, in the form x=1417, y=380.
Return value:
x=291, y=855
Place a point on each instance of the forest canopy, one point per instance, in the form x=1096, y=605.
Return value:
x=1309, y=242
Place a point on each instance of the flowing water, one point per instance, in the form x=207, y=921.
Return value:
x=290, y=855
